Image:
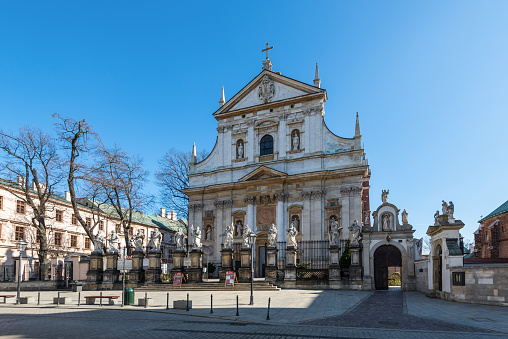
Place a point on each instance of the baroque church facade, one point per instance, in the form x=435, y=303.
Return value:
x=276, y=161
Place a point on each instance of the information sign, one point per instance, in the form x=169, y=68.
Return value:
x=177, y=280
x=230, y=278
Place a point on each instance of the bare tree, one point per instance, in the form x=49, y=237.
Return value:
x=173, y=178
x=32, y=157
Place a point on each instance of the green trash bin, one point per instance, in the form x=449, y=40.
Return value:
x=128, y=297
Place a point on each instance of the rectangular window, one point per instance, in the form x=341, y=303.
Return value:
x=20, y=207
x=74, y=219
x=59, y=215
x=20, y=233
x=58, y=239
x=87, y=243
x=1, y=203
x=88, y=222
x=74, y=241
x=101, y=225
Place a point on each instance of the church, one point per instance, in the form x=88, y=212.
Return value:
x=276, y=161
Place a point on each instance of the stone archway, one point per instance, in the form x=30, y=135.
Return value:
x=385, y=256
x=437, y=265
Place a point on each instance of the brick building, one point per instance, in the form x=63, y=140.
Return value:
x=491, y=237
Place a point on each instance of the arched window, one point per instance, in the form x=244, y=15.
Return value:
x=266, y=145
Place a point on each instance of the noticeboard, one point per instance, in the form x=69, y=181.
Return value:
x=230, y=278
x=177, y=280
x=127, y=262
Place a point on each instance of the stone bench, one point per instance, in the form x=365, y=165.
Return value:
x=181, y=304
x=6, y=296
x=26, y=300
x=141, y=302
x=63, y=300
x=90, y=300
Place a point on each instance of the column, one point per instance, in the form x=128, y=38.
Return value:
x=250, y=212
x=250, y=151
x=306, y=216
x=283, y=147
x=280, y=216
x=306, y=128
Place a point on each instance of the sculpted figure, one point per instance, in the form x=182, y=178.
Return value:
x=296, y=140
x=246, y=233
x=451, y=209
x=239, y=228
x=445, y=208
x=228, y=236
x=384, y=196
x=197, y=236
x=272, y=235
x=180, y=239
x=296, y=223
x=155, y=240
x=138, y=241
x=355, y=231
x=335, y=233
x=404, y=217
x=436, y=215
x=386, y=222
x=113, y=242
x=98, y=242
x=240, y=150
x=291, y=233
x=208, y=233
x=367, y=218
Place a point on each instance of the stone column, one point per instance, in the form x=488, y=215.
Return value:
x=178, y=257
x=111, y=273
x=355, y=270
x=280, y=216
x=96, y=268
x=250, y=151
x=244, y=271
x=227, y=263
x=271, y=263
x=305, y=223
x=367, y=274
x=282, y=136
x=250, y=211
x=196, y=269
x=137, y=273
x=334, y=268
x=290, y=269
x=154, y=271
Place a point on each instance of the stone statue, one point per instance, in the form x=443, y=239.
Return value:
x=228, y=236
x=113, y=242
x=404, y=217
x=296, y=223
x=355, y=231
x=239, y=228
x=367, y=217
x=240, y=150
x=410, y=248
x=196, y=232
x=386, y=222
x=156, y=240
x=246, y=233
x=436, y=216
x=384, y=196
x=98, y=243
x=444, y=208
x=451, y=209
x=272, y=236
x=296, y=141
x=335, y=234
x=266, y=90
x=180, y=239
x=291, y=233
x=208, y=233
x=138, y=241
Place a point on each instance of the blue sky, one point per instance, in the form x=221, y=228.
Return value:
x=429, y=80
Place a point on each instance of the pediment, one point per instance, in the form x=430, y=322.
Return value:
x=268, y=87
x=262, y=173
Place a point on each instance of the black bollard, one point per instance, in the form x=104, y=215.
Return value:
x=211, y=303
x=146, y=299
x=39, y=298
x=101, y=299
x=167, y=302
x=58, y=300
x=237, y=313
x=79, y=298
x=187, y=304
x=268, y=312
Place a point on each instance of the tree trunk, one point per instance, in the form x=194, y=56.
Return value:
x=43, y=257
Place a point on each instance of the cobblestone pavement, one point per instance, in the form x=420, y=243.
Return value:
x=296, y=314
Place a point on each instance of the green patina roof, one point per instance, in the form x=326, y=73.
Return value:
x=501, y=209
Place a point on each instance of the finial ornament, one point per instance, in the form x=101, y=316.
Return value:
x=357, y=126
x=266, y=50
x=317, y=81
x=222, y=100
x=267, y=64
x=384, y=196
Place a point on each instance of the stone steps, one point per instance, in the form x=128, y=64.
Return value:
x=258, y=286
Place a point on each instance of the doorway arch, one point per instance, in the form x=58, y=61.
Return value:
x=437, y=264
x=385, y=256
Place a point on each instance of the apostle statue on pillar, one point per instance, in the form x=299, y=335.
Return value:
x=180, y=239
x=355, y=231
x=98, y=243
x=246, y=236
x=138, y=241
x=156, y=240
x=291, y=233
x=196, y=232
x=335, y=233
x=228, y=236
x=113, y=242
x=272, y=236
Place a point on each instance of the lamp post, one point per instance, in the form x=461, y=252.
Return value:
x=21, y=245
x=252, y=241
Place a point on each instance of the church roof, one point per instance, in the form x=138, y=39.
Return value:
x=501, y=209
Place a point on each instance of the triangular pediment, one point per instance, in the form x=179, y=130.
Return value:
x=262, y=173
x=266, y=88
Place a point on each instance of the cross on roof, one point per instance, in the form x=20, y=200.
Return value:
x=267, y=49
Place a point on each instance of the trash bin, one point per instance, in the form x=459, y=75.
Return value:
x=128, y=297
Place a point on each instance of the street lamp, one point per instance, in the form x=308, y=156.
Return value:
x=252, y=241
x=21, y=245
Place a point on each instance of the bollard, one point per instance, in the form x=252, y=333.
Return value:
x=146, y=299
x=79, y=298
x=101, y=299
x=211, y=303
x=187, y=303
x=58, y=300
x=167, y=302
x=237, y=314
x=268, y=312
x=39, y=298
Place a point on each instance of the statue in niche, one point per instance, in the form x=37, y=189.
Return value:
x=334, y=235
x=239, y=228
x=98, y=243
x=180, y=239
x=355, y=231
x=240, y=150
x=246, y=234
x=386, y=222
x=208, y=233
x=296, y=140
x=296, y=222
x=155, y=240
x=197, y=237
x=384, y=196
x=404, y=217
x=451, y=209
x=272, y=235
x=444, y=208
x=113, y=242
x=228, y=236
x=291, y=233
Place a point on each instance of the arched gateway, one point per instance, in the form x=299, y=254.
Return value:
x=384, y=257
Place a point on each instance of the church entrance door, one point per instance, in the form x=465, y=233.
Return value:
x=385, y=256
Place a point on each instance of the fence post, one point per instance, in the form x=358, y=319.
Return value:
x=146, y=299
x=211, y=303
x=187, y=303
x=268, y=312
x=79, y=298
x=237, y=313
x=39, y=298
x=167, y=302
x=101, y=299
x=58, y=300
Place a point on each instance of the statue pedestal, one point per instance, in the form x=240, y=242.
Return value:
x=96, y=268
x=111, y=273
x=290, y=270
x=137, y=273
x=153, y=273
x=334, y=268
x=355, y=270
x=178, y=256
x=244, y=271
x=196, y=269
x=271, y=263
x=227, y=263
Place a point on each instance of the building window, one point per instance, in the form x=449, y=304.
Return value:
x=74, y=241
x=266, y=145
x=74, y=219
x=101, y=225
x=20, y=233
x=117, y=228
x=20, y=207
x=1, y=203
x=59, y=215
x=87, y=243
x=88, y=222
x=58, y=239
